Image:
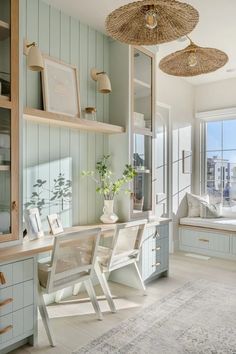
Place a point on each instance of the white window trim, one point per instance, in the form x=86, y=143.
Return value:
x=219, y=114
x=204, y=117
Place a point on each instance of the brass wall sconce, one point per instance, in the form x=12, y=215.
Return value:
x=104, y=83
x=34, y=56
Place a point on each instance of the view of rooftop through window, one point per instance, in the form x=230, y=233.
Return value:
x=221, y=162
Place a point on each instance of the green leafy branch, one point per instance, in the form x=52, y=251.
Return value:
x=104, y=178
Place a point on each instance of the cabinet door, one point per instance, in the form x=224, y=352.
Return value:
x=143, y=98
x=148, y=258
x=9, y=120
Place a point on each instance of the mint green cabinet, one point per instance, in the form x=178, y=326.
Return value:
x=18, y=311
x=154, y=258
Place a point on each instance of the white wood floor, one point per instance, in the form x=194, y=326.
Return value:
x=75, y=324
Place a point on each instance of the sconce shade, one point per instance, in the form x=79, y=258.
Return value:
x=35, y=59
x=104, y=83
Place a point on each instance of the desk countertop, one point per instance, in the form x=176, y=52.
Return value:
x=45, y=243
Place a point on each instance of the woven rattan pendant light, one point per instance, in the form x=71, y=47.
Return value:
x=150, y=22
x=193, y=61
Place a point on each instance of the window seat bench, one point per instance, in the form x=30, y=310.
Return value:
x=211, y=237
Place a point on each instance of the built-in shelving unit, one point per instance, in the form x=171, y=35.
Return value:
x=4, y=168
x=141, y=88
x=4, y=98
x=40, y=116
x=4, y=30
x=143, y=131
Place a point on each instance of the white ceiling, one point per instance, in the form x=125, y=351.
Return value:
x=216, y=28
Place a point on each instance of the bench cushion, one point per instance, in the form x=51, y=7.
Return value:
x=227, y=224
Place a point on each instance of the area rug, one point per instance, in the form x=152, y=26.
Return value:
x=198, y=318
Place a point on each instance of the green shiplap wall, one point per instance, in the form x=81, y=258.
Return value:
x=44, y=146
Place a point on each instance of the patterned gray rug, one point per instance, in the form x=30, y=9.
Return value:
x=198, y=318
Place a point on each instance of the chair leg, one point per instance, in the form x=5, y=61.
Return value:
x=140, y=279
x=76, y=289
x=105, y=287
x=45, y=318
x=59, y=296
x=91, y=293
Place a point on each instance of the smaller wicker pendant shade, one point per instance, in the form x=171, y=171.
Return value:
x=193, y=61
x=128, y=24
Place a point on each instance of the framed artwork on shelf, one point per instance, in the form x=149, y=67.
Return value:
x=55, y=224
x=60, y=86
x=33, y=223
x=187, y=162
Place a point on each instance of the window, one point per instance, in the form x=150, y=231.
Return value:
x=220, y=162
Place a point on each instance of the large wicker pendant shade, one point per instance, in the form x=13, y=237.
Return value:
x=150, y=22
x=193, y=61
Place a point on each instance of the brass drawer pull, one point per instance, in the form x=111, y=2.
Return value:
x=2, y=278
x=203, y=240
x=156, y=249
x=6, y=302
x=6, y=329
x=156, y=265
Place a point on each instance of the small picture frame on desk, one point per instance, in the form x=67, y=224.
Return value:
x=55, y=224
x=33, y=223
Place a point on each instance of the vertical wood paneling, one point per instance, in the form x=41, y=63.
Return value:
x=44, y=15
x=51, y=148
x=65, y=38
x=54, y=32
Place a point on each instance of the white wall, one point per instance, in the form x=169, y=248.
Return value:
x=178, y=94
x=216, y=95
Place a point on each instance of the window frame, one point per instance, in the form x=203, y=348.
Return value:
x=204, y=118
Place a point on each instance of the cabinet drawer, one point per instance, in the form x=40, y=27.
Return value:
x=16, y=297
x=16, y=324
x=17, y=272
x=205, y=240
x=6, y=275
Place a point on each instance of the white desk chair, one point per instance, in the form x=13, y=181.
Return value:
x=124, y=251
x=73, y=259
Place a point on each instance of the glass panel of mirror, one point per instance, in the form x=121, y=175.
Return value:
x=142, y=162
x=142, y=115
x=5, y=49
x=5, y=171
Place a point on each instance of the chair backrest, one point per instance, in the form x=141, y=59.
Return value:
x=73, y=258
x=126, y=243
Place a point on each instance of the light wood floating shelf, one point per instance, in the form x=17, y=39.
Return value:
x=39, y=116
x=4, y=168
x=143, y=131
x=4, y=98
x=4, y=30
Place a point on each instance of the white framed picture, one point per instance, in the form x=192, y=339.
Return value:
x=33, y=223
x=60, y=86
x=55, y=224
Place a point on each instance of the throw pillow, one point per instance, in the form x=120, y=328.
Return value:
x=194, y=202
x=210, y=211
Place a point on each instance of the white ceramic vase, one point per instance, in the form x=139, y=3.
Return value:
x=108, y=216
